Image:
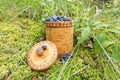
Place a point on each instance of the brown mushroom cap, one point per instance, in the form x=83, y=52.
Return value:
x=47, y=57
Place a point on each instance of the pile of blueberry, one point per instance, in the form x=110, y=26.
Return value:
x=66, y=57
x=56, y=18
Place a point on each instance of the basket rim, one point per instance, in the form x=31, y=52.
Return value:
x=59, y=24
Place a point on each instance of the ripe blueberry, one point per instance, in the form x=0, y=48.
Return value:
x=48, y=19
x=44, y=47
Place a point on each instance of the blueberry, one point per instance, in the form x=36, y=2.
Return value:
x=68, y=54
x=62, y=16
x=68, y=19
x=44, y=47
x=58, y=17
x=66, y=58
x=54, y=17
x=58, y=20
x=51, y=19
x=63, y=57
x=61, y=19
x=64, y=19
x=55, y=20
x=48, y=19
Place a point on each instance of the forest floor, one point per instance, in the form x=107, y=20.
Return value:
x=96, y=54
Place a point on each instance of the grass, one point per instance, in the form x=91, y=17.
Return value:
x=22, y=24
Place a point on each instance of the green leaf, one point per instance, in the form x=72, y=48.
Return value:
x=105, y=40
x=84, y=35
x=108, y=43
x=115, y=53
x=114, y=31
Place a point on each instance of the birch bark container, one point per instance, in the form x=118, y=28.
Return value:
x=61, y=33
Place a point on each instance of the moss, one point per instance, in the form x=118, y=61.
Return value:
x=19, y=36
x=15, y=44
